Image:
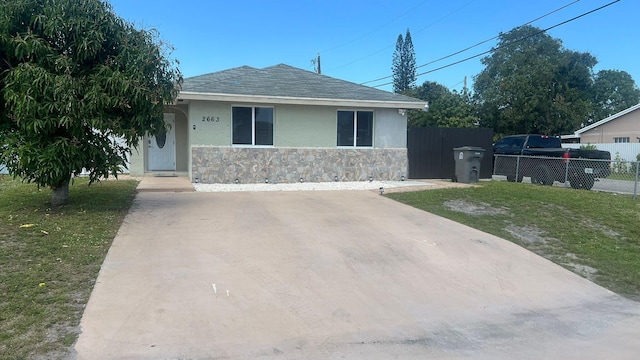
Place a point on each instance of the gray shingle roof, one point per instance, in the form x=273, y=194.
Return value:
x=285, y=81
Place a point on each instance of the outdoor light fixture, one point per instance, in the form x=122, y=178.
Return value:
x=370, y=178
x=197, y=180
x=401, y=178
x=335, y=178
x=194, y=126
x=381, y=190
x=301, y=179
x=266, y=181
x=402, y=112
x=237, y=181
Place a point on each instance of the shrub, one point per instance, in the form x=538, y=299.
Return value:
x=634, y=166
x=589, y=147
x=619, y=165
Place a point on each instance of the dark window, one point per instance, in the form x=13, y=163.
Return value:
x=355, y=128
x=509, y=144
x=345, y=128
x=264, y=126
x=242, y=125
x=252, y=125
x=542, y=142
x=364, y=130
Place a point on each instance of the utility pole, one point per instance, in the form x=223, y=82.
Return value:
x=464, y=88
x=316, y=64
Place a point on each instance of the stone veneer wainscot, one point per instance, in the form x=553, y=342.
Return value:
x=287, y=165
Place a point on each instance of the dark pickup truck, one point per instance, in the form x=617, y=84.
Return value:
x=544, y=160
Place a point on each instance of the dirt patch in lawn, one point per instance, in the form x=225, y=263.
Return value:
x=528, y=234
x=471, y=208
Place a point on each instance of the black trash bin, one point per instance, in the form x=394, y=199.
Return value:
x=468, y=159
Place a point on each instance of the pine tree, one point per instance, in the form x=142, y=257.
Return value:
x=397, y=66
x=404, y=64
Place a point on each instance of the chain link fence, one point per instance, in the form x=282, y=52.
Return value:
x=589, y=174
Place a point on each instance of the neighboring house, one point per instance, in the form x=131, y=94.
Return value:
x=623, y=127
x=279, y=124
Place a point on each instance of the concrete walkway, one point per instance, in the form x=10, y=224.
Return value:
x=165, y=184
x=336, y=275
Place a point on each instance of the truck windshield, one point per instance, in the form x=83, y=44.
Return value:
x=543, y=142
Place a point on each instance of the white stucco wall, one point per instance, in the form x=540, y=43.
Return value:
x=212, y=122
x=136, y=161
x=390, y=129
x=305, y=126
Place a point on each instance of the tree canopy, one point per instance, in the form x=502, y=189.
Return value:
x=613, y=91
x=446, y=108
x=404, y=64
x=531, y=84
x=73, y=77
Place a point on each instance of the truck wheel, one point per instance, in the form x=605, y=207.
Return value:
x=581, y=182
x=588, y=182
x=542, y=176
x=513, y=178
x=575, y=182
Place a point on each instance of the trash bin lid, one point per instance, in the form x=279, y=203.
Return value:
x=469, y=148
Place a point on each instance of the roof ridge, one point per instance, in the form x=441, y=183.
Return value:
x=223, y=71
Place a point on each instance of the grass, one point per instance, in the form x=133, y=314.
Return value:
x=49, y=260
x=623, y=176
x=591, y=233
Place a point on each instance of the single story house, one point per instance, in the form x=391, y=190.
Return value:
x=623, y=127
x=279, y=124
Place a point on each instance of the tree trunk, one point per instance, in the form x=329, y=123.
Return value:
x=60, y=194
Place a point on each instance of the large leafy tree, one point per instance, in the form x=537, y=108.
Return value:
x=531, y=84
x=446, y=108
x=404, y=64
x=613, y=91
x=73, y=78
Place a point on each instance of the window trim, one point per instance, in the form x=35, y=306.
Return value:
x=355, y=129
x=622, y=140
x=253, y=125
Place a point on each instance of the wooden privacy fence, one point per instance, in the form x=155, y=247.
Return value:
x=430, y=150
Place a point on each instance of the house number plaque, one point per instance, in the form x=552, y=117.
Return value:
x=211, y=119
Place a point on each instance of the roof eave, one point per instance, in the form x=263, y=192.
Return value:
x=606, y=120
x=264, y=99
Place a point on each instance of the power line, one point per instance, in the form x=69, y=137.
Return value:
x=445, y=16
x=376, y=29
x=475, y=45
x=516, y=41
x=392, y=45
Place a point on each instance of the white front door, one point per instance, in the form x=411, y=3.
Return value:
x=162, y=147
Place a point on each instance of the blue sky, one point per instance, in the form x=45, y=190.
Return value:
x=356, y=38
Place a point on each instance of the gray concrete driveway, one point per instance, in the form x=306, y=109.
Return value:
x=336, y=275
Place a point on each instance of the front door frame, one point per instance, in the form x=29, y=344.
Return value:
x=164, y=158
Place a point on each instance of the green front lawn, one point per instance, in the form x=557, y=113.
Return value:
x=594, y=234
x=49, y=261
